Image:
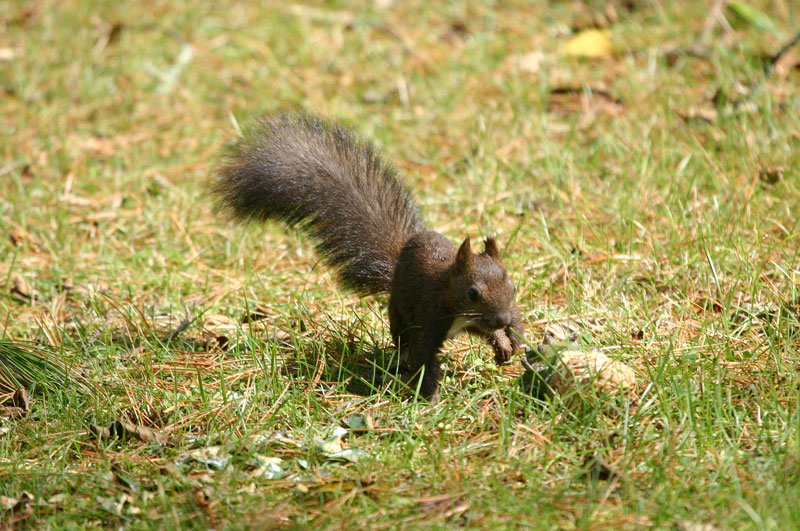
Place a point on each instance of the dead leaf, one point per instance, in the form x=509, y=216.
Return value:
x=125, y=430
x=22, y=290
x=19, y=507
x=591, y=43
x=217, y=324
x=563, y=330
x=20, y=399
x=20, y=405
x=8, y=502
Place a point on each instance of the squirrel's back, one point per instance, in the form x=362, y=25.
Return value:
x=304, y=170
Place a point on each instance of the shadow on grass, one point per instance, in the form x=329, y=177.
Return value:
x=354, y=366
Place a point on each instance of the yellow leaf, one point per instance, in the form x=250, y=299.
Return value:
x=590, y=43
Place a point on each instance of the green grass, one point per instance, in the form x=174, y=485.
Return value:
x=656, y=233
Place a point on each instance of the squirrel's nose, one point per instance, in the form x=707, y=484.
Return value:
x=502, y=320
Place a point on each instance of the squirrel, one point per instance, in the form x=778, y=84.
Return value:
x=318, y=175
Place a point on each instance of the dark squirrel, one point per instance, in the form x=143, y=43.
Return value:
x=309, y=172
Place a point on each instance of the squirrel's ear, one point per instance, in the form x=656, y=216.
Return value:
x=490, y=249
x=464, y=256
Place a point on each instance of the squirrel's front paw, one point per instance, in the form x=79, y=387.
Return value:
x=505, y=344
x=502, y=345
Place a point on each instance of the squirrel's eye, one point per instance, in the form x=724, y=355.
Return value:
x=472, y=293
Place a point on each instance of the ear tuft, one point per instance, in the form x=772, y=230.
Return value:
x=464, y=256
x=490, y=249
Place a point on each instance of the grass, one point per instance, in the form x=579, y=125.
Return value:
x=643, y=210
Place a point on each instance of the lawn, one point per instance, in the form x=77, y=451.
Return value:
x=636, y=160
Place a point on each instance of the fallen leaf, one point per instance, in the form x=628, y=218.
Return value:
x=8, y=502
x=217, y=324
x=22, y=290
x=20, y=399
x=125, y=430
x=563, y=330
x=20, y=506
x=591, y=43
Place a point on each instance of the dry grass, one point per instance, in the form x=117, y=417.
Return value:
x=647, y=201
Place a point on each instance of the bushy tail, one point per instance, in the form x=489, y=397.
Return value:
x=304, y=170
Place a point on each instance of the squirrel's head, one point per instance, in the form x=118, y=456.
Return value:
x=480, y=288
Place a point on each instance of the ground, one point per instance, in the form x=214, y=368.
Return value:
x=636, y=161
